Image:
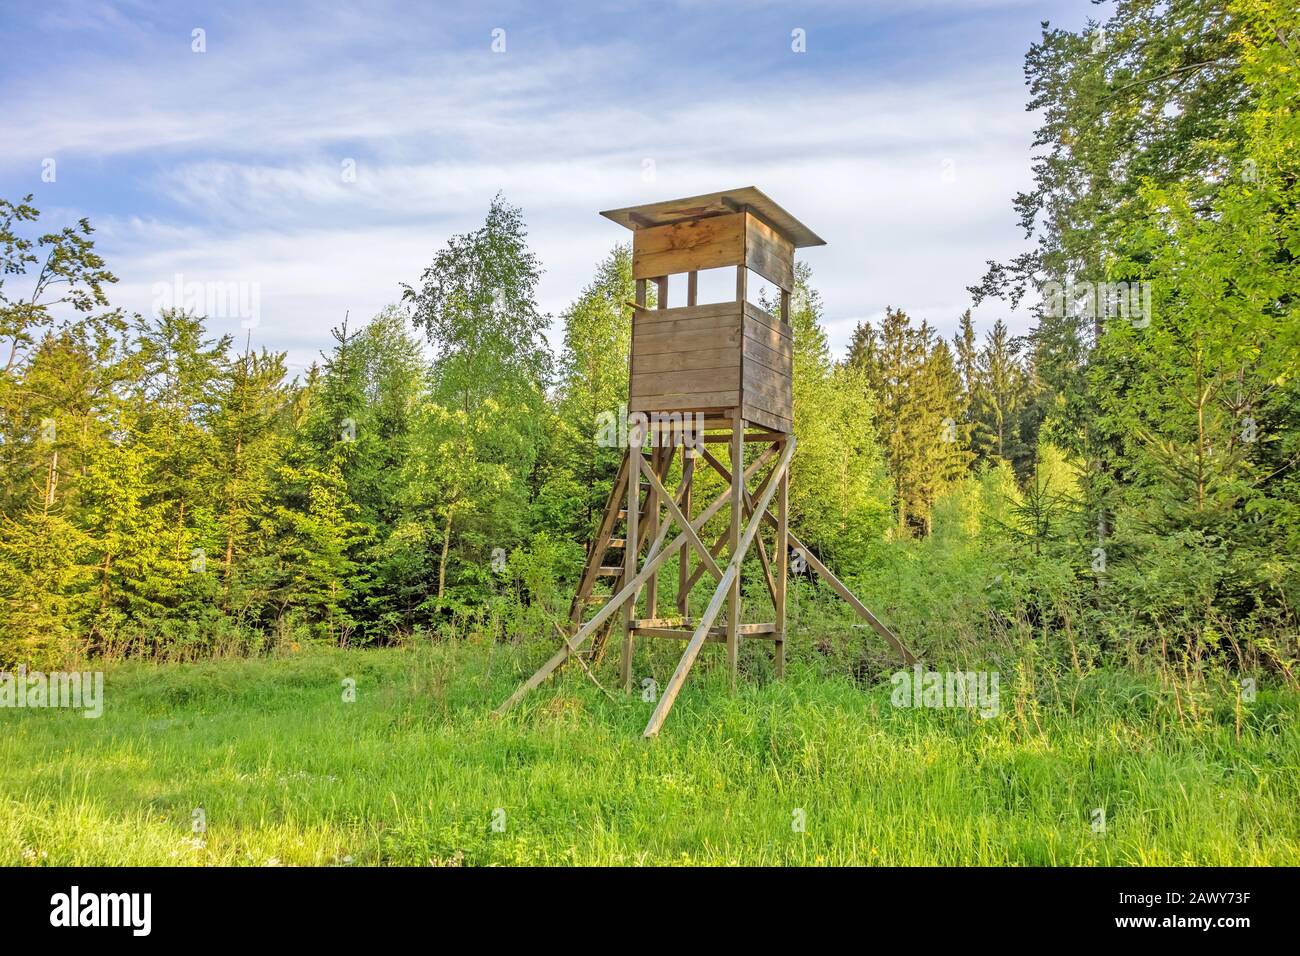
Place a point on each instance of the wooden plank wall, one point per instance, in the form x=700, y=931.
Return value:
x=720, y=356
x=686, y=358
x=768, y=355
x=769, y=253
x=712, y=243
x=688, y=246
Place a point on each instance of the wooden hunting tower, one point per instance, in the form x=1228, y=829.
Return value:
x=726, y=358
x=727, y=366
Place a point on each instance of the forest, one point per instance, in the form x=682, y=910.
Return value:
x=1119, y=486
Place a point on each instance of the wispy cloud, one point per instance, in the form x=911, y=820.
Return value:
x=230, y=164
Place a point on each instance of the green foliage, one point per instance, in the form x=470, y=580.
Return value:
x=918, y=387
x=1169, y=163
x=1100, y=489
x=839, y=491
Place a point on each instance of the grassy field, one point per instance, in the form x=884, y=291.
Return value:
x=415, y=772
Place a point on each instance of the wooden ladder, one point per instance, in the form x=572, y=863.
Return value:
x=598, y=566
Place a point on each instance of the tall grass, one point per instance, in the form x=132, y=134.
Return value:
x=415, y=771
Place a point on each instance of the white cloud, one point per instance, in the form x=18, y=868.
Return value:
x=238, y=152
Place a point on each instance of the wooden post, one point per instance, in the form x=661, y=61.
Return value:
x=729, y=576
x=684, y=568
x=631, y=549
x=737, y=512
x=782, y=557
x=631, y=543
x=652, y=527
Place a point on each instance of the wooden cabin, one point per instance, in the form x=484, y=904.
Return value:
x=726, y=360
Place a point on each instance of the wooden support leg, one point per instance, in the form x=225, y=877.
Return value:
x=657, y=554
x=684, y=568
x=782, y=560
x=729, y=575
x=737, y=514
x=632, y=549
x=652, y=528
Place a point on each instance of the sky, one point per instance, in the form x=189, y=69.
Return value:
x=307, y=161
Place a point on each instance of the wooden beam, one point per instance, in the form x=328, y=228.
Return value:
x=654, y=558
x=684, y=568
x=737, y=515
x=716, y=635
x=674, y=685
x=643, y=622
x=658, y=489
x=839, y=587
x=652, y=528
x=754, y=437
x=630, y=554
x=782, y=556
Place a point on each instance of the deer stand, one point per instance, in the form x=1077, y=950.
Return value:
x=652, y=512
x=730, y=365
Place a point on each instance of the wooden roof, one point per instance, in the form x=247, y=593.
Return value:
x=717, y=204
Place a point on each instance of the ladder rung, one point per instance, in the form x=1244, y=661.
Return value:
x=617, y=543
x=610, y=571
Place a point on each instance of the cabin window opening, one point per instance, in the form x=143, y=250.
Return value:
x=766, y=295
x=714, y=285
x=677, y=290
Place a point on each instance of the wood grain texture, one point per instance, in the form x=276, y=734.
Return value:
x=686, y=382
x=688, y=246
x=769, y=253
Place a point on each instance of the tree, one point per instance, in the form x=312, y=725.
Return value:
x=918, y=391
x=478, y=305
x=839, y=493
x=593, y=383
x=483, y=429
x=1002, y=399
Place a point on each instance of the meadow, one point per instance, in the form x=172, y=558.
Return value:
x=262, y=761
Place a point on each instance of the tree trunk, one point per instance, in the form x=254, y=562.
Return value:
x=442, y=561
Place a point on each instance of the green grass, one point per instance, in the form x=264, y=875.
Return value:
x=412, y=772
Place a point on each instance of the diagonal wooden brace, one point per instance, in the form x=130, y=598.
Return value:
x=674, y=685
x=654, y=558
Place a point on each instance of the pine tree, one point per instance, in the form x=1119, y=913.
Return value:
x=918, y=391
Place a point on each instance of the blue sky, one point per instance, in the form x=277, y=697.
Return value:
x=900, y=136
